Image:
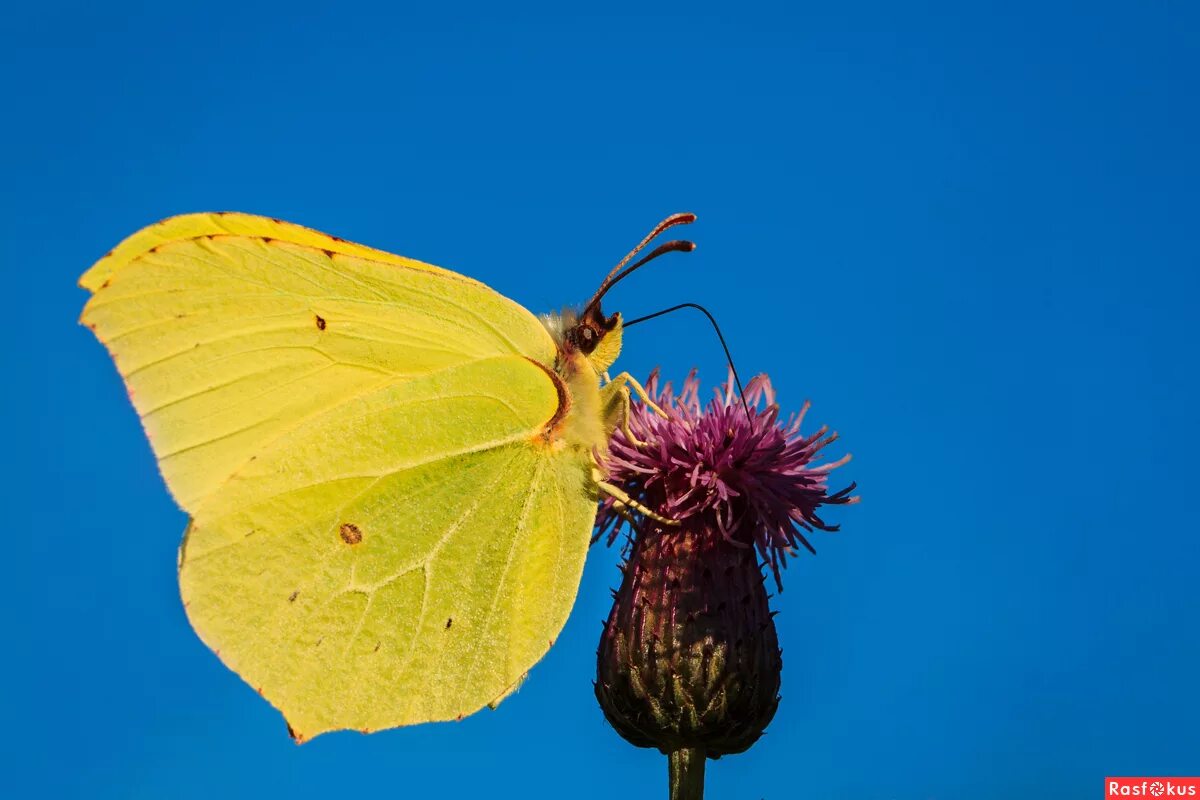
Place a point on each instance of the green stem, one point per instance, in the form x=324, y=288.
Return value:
x=686, y=773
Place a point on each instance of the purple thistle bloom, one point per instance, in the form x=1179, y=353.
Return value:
x=689, y=661
x=729, y=468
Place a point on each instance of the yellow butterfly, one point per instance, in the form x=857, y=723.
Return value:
x=391, y=470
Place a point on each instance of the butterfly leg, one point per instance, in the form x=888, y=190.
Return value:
x=615, y=402
x=615, y=399
x=624, y=502
x=627, y=380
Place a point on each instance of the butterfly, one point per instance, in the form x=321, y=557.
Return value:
x=391, y=470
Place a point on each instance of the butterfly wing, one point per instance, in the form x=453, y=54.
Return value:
x=422, y=563
x=380, y=534
x=227, y=340
x=232, y=223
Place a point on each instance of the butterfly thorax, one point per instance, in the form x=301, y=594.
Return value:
x=588, y=343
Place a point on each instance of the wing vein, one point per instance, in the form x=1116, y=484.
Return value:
x=518, y=534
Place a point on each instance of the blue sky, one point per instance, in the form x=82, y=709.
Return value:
x=968, y=232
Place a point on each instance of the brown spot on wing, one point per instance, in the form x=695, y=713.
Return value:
x=449, y=622
x=320, y=322
x=292, y=597
x=350, y=533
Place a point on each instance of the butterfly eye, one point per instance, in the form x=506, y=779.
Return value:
x=585, y=337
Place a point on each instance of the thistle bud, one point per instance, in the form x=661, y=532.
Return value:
x=689, y=659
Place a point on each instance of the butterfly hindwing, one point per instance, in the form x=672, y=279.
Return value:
x=417, y=588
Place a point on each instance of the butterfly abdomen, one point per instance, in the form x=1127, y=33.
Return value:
x=583, y=426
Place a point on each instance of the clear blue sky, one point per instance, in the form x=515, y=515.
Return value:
x=970, y=236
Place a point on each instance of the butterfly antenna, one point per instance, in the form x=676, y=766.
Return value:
x=720, y=336
x=617, y=273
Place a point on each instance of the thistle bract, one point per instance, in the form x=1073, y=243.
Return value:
x=689, y=657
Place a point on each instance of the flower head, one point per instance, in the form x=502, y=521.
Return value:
x=730, y=468
x=689, y=659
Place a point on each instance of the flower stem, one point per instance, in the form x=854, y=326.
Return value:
x=686, y=771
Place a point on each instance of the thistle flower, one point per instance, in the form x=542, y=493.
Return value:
x=689, y=661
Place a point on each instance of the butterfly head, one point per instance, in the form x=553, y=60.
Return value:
x=586, y=336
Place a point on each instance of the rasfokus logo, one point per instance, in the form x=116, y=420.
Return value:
x=1152, y=787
